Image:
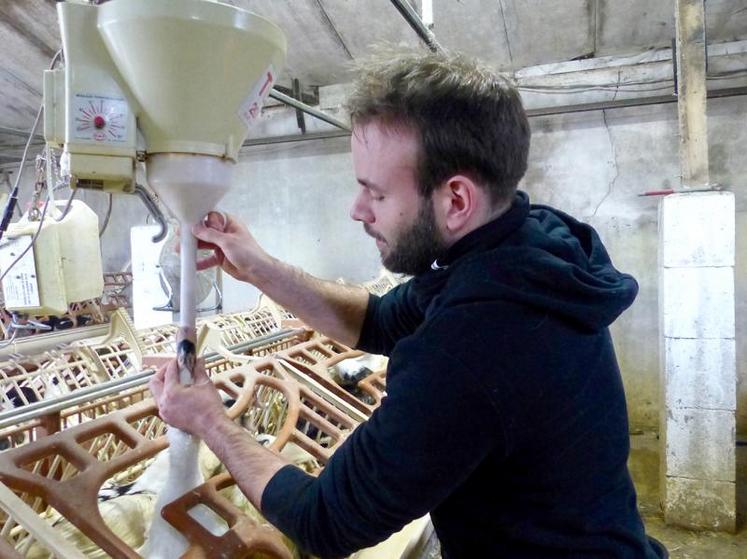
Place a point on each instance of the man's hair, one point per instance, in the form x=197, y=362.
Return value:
x=468, y=119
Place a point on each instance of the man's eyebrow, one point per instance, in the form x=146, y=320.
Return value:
x=368, y=184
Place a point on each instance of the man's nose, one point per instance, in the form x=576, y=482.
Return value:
x=361, y=210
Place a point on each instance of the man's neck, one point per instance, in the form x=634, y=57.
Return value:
x=490, y=214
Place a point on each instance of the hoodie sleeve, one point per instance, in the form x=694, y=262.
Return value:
x=399, y=465
x=389, y=318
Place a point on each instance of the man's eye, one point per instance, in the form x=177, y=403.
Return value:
x=378, y=198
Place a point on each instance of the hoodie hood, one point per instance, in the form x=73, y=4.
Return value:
x=537, y=256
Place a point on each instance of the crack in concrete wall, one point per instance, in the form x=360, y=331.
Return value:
x=505, y=30
x=613, y=161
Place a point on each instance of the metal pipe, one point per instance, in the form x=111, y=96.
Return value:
x=295, y=138
x=412, y=17
x=154, y=211
x=295, y=103
x=531, y=113
x=186, y=336
x=624, y=103
x=44, y=342
x=84, y=395
x=255, y=343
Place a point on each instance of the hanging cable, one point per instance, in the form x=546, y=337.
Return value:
x=108, y=215
x=9, y=341
x=10, y=206
x=33, y=240
x=13, y=199
x=9, y=186
x=73, y=193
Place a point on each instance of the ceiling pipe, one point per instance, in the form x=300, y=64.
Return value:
x=289, y=138
x=531, y=113
x=412, y=17
x=625, y=103
x=295, y=103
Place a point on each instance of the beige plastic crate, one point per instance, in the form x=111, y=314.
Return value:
x=61, y=474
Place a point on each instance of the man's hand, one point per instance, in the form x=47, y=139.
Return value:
x=234, y=248
x=335, y=310
x=194, y=408
x=198, y=410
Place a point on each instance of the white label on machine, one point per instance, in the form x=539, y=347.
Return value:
x=99, y=119
x=20, y=285
x=252, y=105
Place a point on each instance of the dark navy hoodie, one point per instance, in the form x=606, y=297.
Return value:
x=505, y=416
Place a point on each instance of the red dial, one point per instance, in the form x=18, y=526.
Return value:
x=99, y=121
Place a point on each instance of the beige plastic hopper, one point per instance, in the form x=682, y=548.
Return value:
x=198, y=70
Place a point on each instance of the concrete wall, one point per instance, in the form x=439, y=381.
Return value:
x=594, y=165
x=295, y=198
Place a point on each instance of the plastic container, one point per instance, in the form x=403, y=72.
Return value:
x=67, y=262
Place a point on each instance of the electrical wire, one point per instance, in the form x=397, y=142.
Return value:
x=33, y=240
x=630, y=86
x=9, y=341
x=108, y=215
x=10, y=206
x=13, y=198
x=585, y=89
x=73, y=193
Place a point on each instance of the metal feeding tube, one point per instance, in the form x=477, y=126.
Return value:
x=183, y=471
x=186, y=351
x=190, y=185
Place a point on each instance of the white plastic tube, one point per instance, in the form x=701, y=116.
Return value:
x=186, y=337
x=191, y=186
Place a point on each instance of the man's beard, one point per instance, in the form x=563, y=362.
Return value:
x=413, y=251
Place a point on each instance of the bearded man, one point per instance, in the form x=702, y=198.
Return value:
x=503, y=328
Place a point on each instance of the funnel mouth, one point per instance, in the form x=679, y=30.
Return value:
x=189, y=185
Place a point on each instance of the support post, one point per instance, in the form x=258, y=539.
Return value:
x=696, y=302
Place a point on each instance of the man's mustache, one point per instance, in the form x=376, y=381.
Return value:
x=373, y=233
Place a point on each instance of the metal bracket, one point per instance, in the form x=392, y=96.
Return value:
x=299, y=113
x=154, y=210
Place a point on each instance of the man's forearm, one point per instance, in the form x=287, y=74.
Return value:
x=335, y=310
x=251, y=465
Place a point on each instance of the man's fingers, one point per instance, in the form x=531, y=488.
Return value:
x=216, y=220
x=206, y=246
x=200, y=375
x=207, y=234
x=156, y=387
x=171, y=373
x=208, y=262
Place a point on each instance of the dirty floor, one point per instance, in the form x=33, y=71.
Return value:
x=683, y=543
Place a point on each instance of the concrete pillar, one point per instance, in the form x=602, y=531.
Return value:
x=696, y=291
x=697, y=238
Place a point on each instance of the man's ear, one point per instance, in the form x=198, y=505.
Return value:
x=457, y=201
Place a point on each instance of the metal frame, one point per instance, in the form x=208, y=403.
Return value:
x=296, y=104
x=415, y=21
